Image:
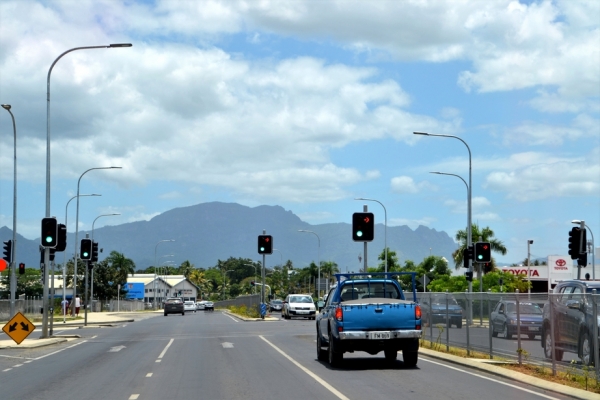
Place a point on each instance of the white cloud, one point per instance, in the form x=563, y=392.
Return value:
x=406, y=184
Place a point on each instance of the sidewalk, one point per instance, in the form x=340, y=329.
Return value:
x=93, y=319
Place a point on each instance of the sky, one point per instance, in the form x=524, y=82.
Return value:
x=307, y=105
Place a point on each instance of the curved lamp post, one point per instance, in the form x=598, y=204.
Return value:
x=47, y=214
x=13, y=278
x=224, y=276
x=155, y=267
x=318, y=261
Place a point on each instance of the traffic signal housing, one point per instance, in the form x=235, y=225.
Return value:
x=582, y=256
x=483, y=252
x=469, y=276
x=265, y=244
x=467, y=255
x=49, y=236
x=574, y=242
x=252, y=283
x=21, y=268
x=94, y=257
x=86, y=249
x=8, y=251
x=363, y=227
x=62, y=237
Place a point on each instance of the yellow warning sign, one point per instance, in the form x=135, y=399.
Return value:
x=18, y=328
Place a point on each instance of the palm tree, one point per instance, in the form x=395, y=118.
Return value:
x=122, y=265
x=186, y=268
x=486, y=235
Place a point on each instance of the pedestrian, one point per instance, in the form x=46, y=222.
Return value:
x=77, y=305
x=65, y=306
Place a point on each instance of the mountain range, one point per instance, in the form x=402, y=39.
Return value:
x=208, y=232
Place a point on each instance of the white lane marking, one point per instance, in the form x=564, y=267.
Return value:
x=18, y=365
x=165, y=349
x=307, y=371
x=149, y=374
x=1, y=355
x=7, y=369
x=227, y=345
x=58, y=351
x=491, y=379
x=232, y=318
x=158, y=361
x=116, y=349
x=134, y=396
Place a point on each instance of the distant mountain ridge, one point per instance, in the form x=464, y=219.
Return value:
x=208, y=232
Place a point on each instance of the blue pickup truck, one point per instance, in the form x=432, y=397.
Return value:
x=369, y=313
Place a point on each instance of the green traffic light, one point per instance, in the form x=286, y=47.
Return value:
x=359, y=233
x=85, y=254
x=48, y=239
x=262, y=249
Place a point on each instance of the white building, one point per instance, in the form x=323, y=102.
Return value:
x=160, y=287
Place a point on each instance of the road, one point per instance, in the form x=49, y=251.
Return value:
x=211, y=355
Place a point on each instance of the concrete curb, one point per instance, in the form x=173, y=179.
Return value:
x=481, y=365
x=32, y=343
x=249, y=319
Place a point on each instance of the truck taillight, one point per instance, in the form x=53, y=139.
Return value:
x=339, y=314
x=417, y=312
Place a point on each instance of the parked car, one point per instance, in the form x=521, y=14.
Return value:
x=433, y=308
x=174, y=306
x=275, y=305
x=200, y=305
x=298, y=305
x=189, y=305
x=504, y=319
x=573, y=320
x=209, y=306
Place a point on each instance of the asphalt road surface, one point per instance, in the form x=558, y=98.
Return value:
x=208, y=355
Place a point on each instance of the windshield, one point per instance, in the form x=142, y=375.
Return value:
x=276, y=302
x=368, y=290
x=300, y=299
x=442, y=300
x=524, y=308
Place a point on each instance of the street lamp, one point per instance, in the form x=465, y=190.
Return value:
x=47, y=250
x=86, y=271
x=13, y=278
x=318, y=261
x=469, y=238
x=155, y=267
x=224, y=276
x=251, y=265
x=529, y=243
x=77, y=231
x=579, y=222
x=385, y=231
x=65, y=253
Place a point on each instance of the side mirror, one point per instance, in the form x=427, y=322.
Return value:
x=574, y=304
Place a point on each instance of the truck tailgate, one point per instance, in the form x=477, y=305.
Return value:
x=385, y=314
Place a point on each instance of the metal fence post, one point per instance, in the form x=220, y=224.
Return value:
x=469, y=306
x=519, y=349
x=553, y=348
x=448, y=327
x=490, y=328
x=596, y=344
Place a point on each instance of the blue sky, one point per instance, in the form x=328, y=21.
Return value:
x=308, y=105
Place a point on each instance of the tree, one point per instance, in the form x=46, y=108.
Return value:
x=487, y=235
x=122, y=265
x=28, y=284
x=186, y=268
x=392, y=261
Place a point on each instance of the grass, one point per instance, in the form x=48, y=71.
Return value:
x=580, y=378
x=244, y=311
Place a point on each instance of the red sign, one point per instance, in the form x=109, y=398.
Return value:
x=560, y=262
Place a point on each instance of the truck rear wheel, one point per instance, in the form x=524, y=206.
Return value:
x=335, y=358
x=410, y=358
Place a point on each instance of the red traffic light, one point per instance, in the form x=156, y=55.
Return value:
x=3, y=264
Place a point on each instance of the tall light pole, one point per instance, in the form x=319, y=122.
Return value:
x=77, y=231
x=384, y=232
x=65, y=253
x=224, y=277
x=578, y=222
x=469, y=233
x=250, y=265
x=92, y=277
x=47, y=250
x=155, y=267
x=13, y=277
x=529, y=243
x=318, y=261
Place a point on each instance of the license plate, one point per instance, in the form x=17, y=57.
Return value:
x=379, y=335
x=302, y=312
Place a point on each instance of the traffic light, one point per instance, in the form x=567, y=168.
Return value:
x=252, y=283
x=363, y=227
x=94, y=252
x=265, y=244
x=62, y=237
x=574, y=242
x=469, y=276
x=21, y=268
x=86, y=249
x=8, y=251
x=52, y=254
x=49, y=236
x=582, y=259
x=467, y=255
x=483, y=252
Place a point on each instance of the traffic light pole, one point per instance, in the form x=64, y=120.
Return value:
x=365, y=209
x=262, y=275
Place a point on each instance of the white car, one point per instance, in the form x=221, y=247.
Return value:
x=189, y=305
x=298, y=305
x=200, y=304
